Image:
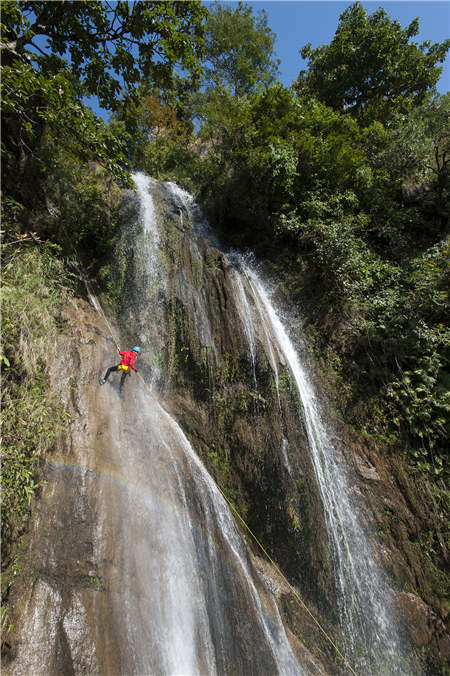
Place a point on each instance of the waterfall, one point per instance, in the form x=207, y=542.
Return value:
x=371, y=637
x=246, y=318
x=248, y=321
x=184, y=200
x=136, y=565
x=150, y=253
x=194, y=603
x=149, y=221
x=369, y=633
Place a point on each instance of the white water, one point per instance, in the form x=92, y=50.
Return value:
x=246, y=317
x=370, y=635
x=149, y=219
x=372, y=641
x=188, y=572
x=184, y=200
x=150, y=282
x=284, y=450
x=193, y=605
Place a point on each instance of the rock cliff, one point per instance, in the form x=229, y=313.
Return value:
x=211, y=357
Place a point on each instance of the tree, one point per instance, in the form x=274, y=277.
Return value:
x=54, y=53
x=437, y=120
x=239, y=49
x=109, y=46
x=370, y=68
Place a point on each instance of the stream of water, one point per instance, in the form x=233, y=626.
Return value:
x=194, y=604
x=369, y=633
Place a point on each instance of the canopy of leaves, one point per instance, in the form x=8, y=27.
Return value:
x=110, y=46
x=151, y=127
x=358, y=215
x=239, y=49
x=371, y=68
x=54, y=53
x=239, y=58
x=32, y=101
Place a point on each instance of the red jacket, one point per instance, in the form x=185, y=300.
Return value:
x=128, y=358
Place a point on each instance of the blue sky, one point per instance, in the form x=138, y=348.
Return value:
x=297, y=23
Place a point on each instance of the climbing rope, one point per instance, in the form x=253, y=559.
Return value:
x=100, y=309
x=234, y=510
x=293, y=590
x=102, y=314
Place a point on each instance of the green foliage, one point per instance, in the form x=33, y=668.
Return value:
x=410, y=157
x=370, y=68
x=35, y=288
x=109, y=47
x=295, y=524
x=360, y=211
x=407, y=320
x=270, y=151
x=96, y=583
x=7, y=627
x=92, y=48
x=32, y=100
x=90, y=229
x=222, y=473
x=81, y=197
x=158, y=134
x=158, y=122
x=239, y=49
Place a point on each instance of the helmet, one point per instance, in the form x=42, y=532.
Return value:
x=136, y=349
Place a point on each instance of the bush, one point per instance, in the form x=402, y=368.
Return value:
x=35, y=288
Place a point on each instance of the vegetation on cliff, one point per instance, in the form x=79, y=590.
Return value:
x=35, y=287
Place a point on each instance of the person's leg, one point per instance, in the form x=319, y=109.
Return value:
x=122, y=380
x=111, y=368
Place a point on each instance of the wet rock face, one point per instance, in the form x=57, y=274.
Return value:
x=134, y=564
x=400, y=513
x=426, y=629
x=225, y=381
x=62, y=604
x=246, y=426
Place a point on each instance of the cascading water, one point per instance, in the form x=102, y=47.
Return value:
x=184, y=200
x=149, y=220
x=371, y=637
x=193, y=605
x=245, y=315
x=192, y=602
x=136, y=565
x=369, y=633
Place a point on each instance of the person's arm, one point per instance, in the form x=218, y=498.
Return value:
x=120, y=352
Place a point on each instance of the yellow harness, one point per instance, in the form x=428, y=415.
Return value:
x=123, y=367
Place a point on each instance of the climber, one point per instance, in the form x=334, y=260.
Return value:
x=124, y=366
